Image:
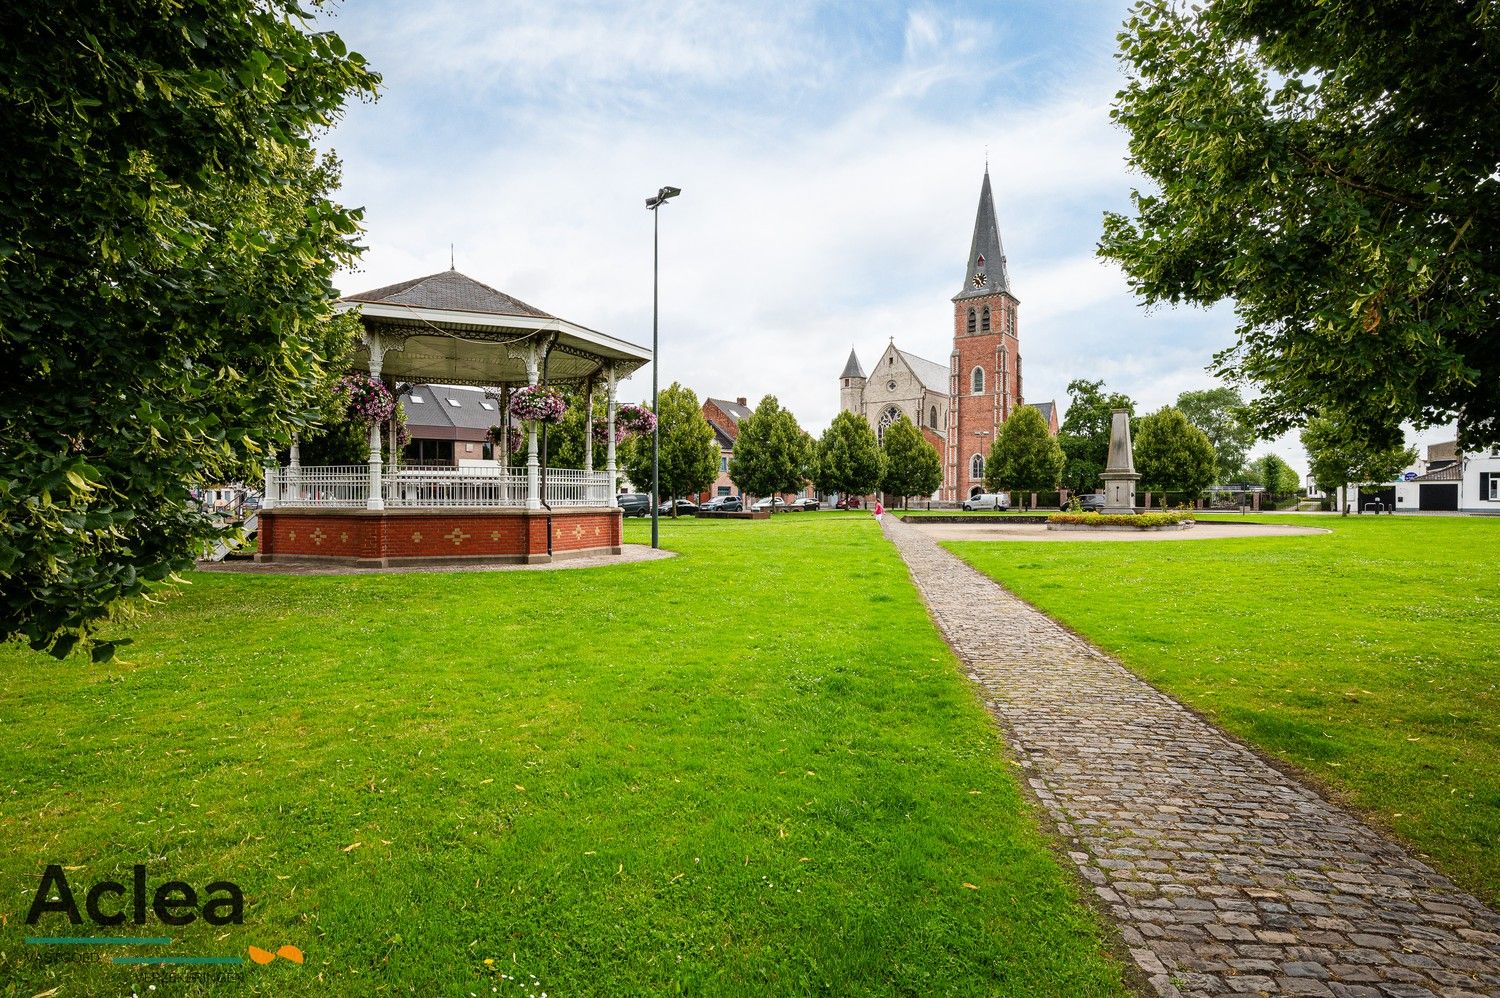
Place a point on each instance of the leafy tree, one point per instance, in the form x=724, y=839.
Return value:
x=1024, y=457
x=1327, y=165
x=849, y=458
x=1337, y=456
x=169, y=243
x=912, y=466
x=1171, y=454
x=1277, y=477
x=772, y=454
x=689, y=460
x=1084, y=434
x=1223, y=417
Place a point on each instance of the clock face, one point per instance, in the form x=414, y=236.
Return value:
x=979, y=280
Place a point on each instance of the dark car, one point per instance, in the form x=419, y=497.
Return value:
x=1093, y=503
x=635, y=504
x=803, y=504
x=685, y=507
x=724, y=504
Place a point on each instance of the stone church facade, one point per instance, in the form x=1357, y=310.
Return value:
x=959, y=405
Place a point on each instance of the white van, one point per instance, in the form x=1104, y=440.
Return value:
x=988, y=500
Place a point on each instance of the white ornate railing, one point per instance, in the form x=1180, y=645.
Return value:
x=347, y=487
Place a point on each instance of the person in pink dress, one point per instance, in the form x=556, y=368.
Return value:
x=879, y=511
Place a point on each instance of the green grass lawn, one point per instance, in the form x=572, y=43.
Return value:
x=751, y=769
x=1369, y=657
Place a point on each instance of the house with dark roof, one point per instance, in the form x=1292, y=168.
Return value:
x=449, y=425
x=1447, y=480
x=724, y=416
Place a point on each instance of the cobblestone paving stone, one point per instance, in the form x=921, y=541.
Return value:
x=1225, y=875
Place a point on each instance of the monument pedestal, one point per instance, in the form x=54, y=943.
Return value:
x=1119, y=473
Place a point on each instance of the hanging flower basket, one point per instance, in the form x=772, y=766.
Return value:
x=635, y=419
x=513, y=444
x=366, y=400
x=537, y=404
x=601, y=431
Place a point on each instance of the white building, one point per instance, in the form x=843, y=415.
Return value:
x=1446, y=479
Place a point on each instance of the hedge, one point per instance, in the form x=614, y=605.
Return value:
x=1139, y=520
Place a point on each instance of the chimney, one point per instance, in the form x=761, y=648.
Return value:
x=742, y=400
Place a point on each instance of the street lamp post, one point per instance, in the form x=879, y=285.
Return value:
x=652, y=204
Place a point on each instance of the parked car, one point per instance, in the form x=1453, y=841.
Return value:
x=803, y=504
x=635, y=504
x=685, y=507
x=774, y=504
x=849, y=502
x=988, y=500
x=1091, y=503
x=724, y=504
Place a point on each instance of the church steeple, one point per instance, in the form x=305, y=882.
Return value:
x=985, y=273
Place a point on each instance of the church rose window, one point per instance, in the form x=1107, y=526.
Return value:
x=984, y=319
x=976, y=380
x=971, y=320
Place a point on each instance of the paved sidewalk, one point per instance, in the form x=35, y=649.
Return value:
x=1226, y=876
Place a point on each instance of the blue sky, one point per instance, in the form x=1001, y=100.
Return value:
x=830, y=158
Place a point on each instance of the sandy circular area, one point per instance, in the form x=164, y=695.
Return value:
x=629, y=553
x=989, y=531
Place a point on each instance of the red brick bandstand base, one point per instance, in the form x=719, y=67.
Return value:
x=410, y=536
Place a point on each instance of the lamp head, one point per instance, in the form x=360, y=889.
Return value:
x=662, y=196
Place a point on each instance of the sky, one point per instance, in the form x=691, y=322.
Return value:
x=830, y=158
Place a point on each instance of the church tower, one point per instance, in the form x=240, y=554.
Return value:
x=985, y=366
x=852, y=386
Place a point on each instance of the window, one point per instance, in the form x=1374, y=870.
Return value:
x=487, y=405
x=886, y=419
x=984, y=319
x=723, y=465
x=430, y=452
x=418, y=399
x=971, y=321
x=1010, y=322
x=1494, y=495
x=453, y=402
x=723, y=490
x=976, y=381
x=932, y=417
x=976, y=466
x=487, y=451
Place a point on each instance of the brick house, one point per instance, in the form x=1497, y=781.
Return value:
x=724, y=416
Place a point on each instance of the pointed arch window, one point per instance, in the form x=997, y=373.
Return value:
x=984, y=319
x=1010, y=321
x=976, y=467
x=971, y=321
x=888, y=417
x=976, y=381
x=932, y=417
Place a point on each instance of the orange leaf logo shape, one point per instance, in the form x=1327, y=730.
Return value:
x=290, y=952
x=287, y=952
x=261, y=956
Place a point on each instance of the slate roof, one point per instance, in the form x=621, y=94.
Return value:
x=986, y=246
x=852, y=369
x=934, y=376
x=1445, y=451
x=1450, y=473
x=449, y=290
x=435, y=410
x=733, y=410
x=726, y=442
x=1045, y=408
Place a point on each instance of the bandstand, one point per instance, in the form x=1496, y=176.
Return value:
x=451, y=329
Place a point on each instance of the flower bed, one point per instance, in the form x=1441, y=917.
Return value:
x=1140, y=521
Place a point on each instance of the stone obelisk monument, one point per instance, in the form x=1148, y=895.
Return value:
x=1119, y=471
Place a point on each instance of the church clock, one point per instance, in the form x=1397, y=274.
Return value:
x=978, y=280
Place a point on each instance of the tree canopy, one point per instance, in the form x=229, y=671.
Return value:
x=168, y=240
x=1024, y=457
x=849, y=457
x=1223, y=417
x=772, y=454
x=1328, y=166
x=1084, y=434
x=689, y=460
x=1273, y=474
x=912, y=466
x=1338, y=456
x=1171, y=454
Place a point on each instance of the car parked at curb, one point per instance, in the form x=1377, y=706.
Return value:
x=988, y=500
x=724, y=504
x=775, y=504
x=804, y=504
x=849, y=502
x=685, y=507
x=1093, y=503
x=634, y=504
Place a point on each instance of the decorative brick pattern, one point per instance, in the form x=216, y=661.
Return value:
x=1224, y=874
x=397, y=535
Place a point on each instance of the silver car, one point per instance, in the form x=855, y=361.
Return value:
x=988, y=500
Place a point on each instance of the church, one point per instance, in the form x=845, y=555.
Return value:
x=959, y=405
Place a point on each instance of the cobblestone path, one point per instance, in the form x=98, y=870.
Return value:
x=1226, y=876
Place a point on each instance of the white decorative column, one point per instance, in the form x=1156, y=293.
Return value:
x=588, y=428
x=373, y=498
x=611, y=384
x=503, y=444
x=533, y=466
x=271, y=493
x=294, y=470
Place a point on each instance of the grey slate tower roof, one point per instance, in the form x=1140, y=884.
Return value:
x=852, y=369
x=449, y=290
x=986, y=254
